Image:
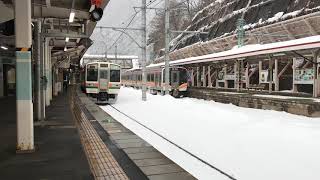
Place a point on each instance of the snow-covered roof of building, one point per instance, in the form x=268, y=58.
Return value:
x=251, y=50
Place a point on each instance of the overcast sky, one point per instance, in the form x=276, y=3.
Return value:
x=118, y=13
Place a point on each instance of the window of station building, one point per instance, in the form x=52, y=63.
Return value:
x=156, y=77
x=148, y=77
x=183, y=76
x=175, y=77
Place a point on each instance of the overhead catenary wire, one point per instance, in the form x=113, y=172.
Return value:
x=176, y=145
x=131, y=19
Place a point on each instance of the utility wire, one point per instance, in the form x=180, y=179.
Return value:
x=131, y=20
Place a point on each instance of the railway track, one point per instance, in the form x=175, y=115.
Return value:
x=224, y=173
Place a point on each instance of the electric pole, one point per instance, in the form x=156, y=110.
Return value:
x=144, y=50
x=167, y=41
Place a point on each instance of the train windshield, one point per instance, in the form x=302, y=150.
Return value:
x=115, y=75
x=103, y=74
x=92, y=74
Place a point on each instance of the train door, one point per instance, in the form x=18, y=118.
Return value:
x=103, y=77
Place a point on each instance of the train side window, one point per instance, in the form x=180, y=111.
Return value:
x=175, y=77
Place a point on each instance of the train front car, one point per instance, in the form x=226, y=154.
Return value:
x=103, y=80
x=178, y=81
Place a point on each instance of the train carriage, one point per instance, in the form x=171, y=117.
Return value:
x=156, y=79
x=102, y=80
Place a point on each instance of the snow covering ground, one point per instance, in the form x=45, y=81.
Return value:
x=249, y=144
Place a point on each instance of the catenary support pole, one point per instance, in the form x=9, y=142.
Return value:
x=23, y=34
x=143, y=48
x=167, y=41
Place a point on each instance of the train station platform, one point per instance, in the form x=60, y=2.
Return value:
x=58, y=153
x=78, y=140
x=137, y=158
x=294, y=103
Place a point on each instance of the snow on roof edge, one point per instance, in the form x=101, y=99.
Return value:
x=252, y=48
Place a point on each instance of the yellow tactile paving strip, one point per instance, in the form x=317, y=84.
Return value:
x=102, y=164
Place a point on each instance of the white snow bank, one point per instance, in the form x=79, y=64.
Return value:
x=250, y=144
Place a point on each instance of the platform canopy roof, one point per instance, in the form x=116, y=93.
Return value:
x=244, y=52
x=55, y=23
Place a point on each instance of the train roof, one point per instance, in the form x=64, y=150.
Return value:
x=311, y=42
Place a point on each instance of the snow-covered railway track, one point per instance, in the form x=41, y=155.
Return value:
x=176, y=145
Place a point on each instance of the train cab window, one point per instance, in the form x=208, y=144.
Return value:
x=92, y=74
x=114, y=73
x=103, y=74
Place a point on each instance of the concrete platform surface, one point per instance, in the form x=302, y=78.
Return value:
x=59, y=154
x=151, y=162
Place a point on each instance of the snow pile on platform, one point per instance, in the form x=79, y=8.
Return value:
x=248, y=144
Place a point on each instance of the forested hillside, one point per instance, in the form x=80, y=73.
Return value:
x=220, y=17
